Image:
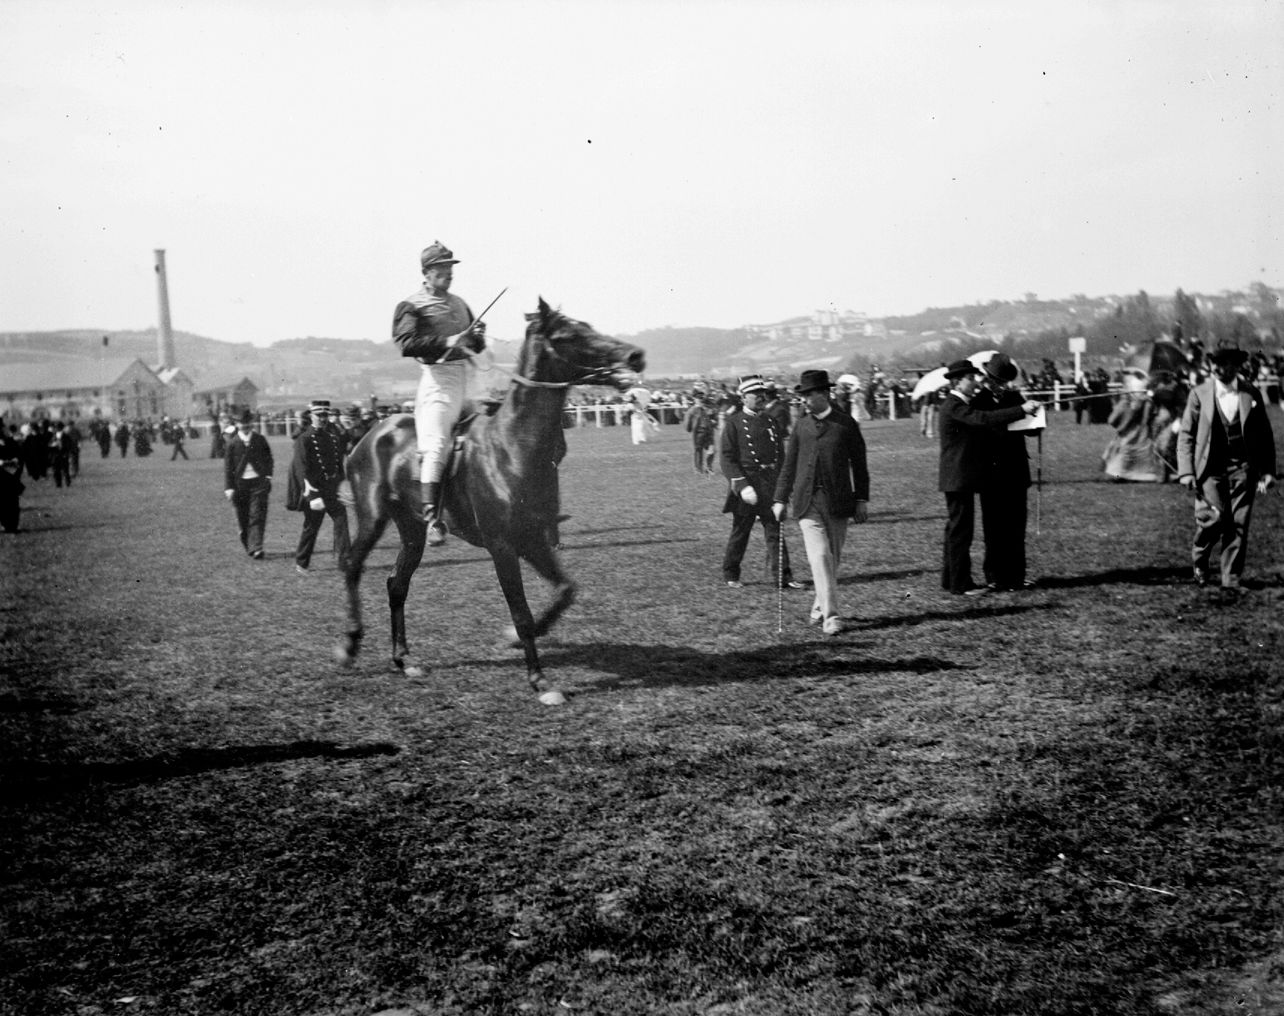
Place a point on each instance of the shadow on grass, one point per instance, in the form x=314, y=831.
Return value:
x=1154, y=575
x=632, y=665
x=39, y=777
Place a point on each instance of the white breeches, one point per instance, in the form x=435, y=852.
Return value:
x=443, y=389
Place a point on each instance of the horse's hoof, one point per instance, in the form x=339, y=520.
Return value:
x=343, y=656
x=413, y=672
x=553, y=698
x=511, y=638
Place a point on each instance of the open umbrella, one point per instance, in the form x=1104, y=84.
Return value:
x=932, y=381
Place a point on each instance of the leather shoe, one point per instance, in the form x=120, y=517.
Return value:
x=735, y=584
x=791, y=584
x=977, y=591
x=1201, y=577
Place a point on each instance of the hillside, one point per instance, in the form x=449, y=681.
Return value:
x=353, y=369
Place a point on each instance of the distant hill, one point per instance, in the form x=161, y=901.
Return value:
x=351, y=370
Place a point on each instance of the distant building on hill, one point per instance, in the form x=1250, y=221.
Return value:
x=822, y=326
x=112, y=389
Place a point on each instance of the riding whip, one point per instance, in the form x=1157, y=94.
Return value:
x=490, y=305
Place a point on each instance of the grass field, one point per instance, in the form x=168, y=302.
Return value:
x=1066, y=801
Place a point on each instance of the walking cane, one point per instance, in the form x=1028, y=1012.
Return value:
x=1038, y=489
x=780, y=576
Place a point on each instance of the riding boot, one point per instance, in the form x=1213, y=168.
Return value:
x=432, y=514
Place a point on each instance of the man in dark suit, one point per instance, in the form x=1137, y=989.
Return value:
x=319, y=456
x=1003, y=494
x=247, y=481
x=1226, y=454
x=750, y=452
x=964, y=468
x=826, y=476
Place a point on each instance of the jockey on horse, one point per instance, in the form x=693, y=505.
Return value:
x=439, y=330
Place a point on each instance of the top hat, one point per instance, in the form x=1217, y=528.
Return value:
x=319, y=406
x=1228, y=352
x=1000, y=368
x=961, y=368
x=436, y=253
x=751, y=383
x=813, y=381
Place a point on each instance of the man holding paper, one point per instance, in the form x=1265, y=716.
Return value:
x=966, y=445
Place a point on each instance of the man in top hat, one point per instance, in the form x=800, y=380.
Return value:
x=318, y=454
x=1003, y=494
x=247, y=481
x=965, y=468
x=750, y=452
x=826, y=477
x=438, y=329
x=1226, y=454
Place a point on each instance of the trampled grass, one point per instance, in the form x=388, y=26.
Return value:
x=1059, y=802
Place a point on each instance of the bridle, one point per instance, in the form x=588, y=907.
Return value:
x=589, y=376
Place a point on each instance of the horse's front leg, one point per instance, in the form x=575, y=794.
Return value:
x=546, y=563
x=509, y=570
x=369, y=529
x=413, y=534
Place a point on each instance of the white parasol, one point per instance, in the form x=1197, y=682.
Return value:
x=933, y=380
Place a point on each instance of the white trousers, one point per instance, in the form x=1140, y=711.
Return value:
x=823, y=537
x=443, y=389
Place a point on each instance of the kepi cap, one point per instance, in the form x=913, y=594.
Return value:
x=436, y=253
x=750, y=383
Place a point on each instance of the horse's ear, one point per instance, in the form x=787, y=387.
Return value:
x=544, y=308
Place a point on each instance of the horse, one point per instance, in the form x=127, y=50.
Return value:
x=502, y=492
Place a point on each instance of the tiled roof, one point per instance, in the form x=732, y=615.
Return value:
x=70, y=376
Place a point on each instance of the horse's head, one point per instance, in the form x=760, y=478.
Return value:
x=561, y=350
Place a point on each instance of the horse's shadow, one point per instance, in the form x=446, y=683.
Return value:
x=44, y=778
x=658, y=666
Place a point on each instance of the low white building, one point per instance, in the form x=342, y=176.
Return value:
x=111, y=388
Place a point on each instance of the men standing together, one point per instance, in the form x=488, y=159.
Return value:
x=968, y=454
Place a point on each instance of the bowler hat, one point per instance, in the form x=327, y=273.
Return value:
x=961, y=368
x=813, y=381
x=1001, y=368
x=246, y=417
x=436, y=253
x=1228, y=352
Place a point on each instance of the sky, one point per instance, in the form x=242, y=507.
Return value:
x=639, y=164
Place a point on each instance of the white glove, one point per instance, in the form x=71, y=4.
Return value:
x=748, y=495
x=317, y=504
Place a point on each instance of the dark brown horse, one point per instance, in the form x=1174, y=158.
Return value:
x=503, y=493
